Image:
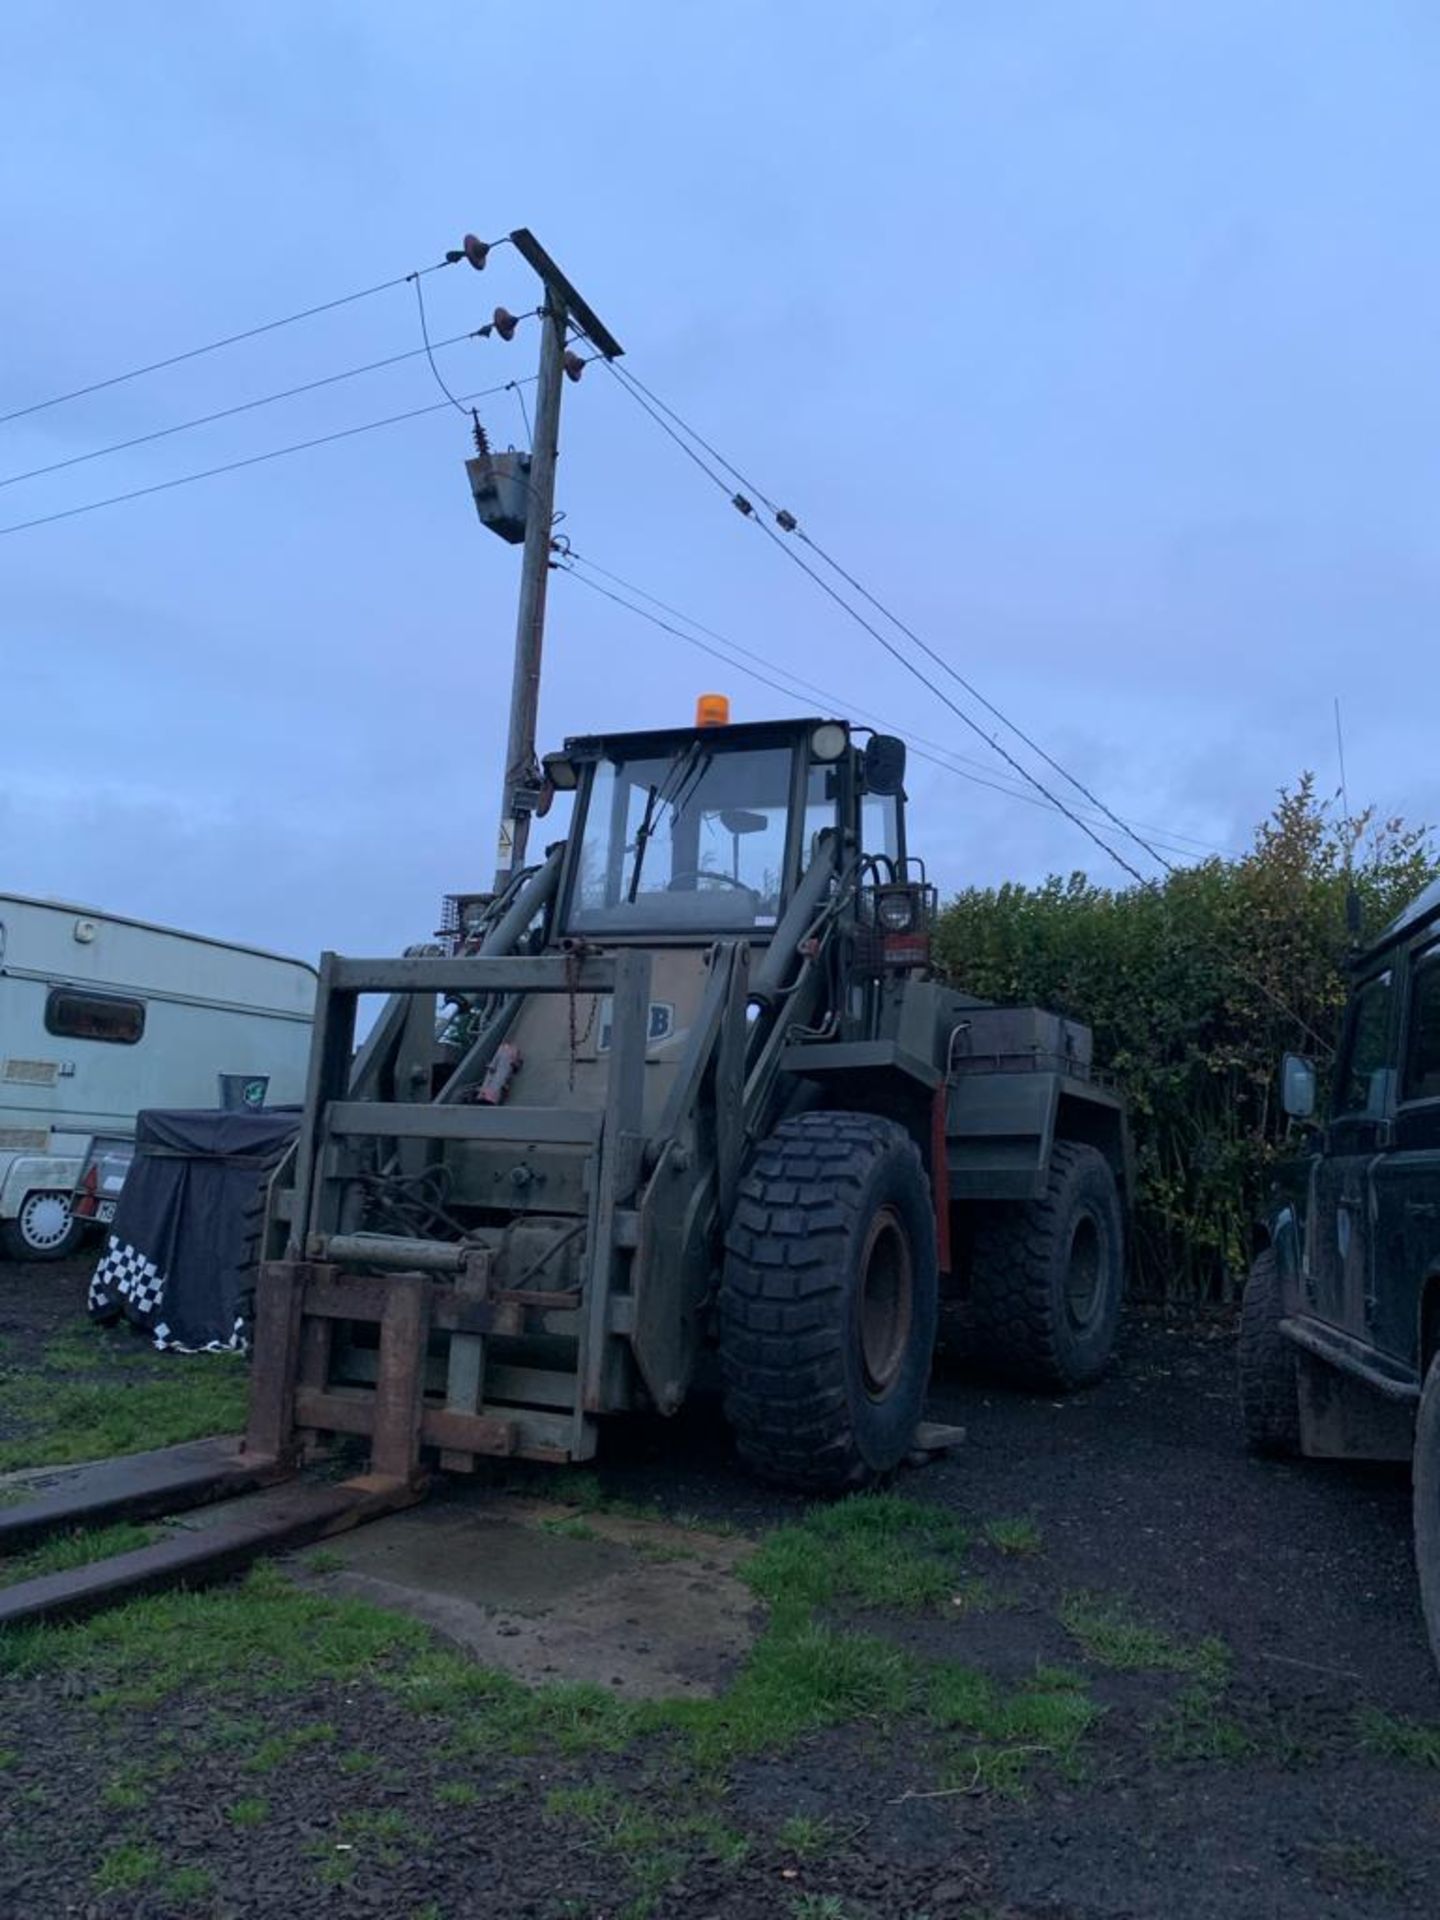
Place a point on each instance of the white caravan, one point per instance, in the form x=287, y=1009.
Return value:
x=101, y=1016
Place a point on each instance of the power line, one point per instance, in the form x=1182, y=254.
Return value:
x=426, y=348
x=909, y=665
x=930, y=750
x=1241, y=972
x=214, y=346
x=789, y=523
x=234, y=466
x=227, y=413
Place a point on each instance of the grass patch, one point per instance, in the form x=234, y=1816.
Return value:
x=805, y=1837
x=492, y=1712
x=64, y=1421
x=652, y=1842
x=77, y=1549
x=133, y=1786
x=569, y=1527
x=817, y=1906
x=1113, y=1637
x=1394, y=1737
x=127, y=1867
x=1019, y=1535
x=800, y=1677
x=385, y=1831
x=1359, y=1867
x=252, y=1811
x=1197, y=1728
x=82, y=1347
x=277, y=1748
x=456, y=1793
x=1009, y=1734
x=189, y=1883
x=661, y=1551
x=261, y=1636
x=880, y=1550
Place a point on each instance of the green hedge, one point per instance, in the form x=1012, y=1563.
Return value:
x=1195, y=987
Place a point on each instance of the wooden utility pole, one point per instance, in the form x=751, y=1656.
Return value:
x=521, y=790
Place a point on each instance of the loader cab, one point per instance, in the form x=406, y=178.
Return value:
x=684, y=835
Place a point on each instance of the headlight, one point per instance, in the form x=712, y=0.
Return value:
x=828, y=741
x=896, y=911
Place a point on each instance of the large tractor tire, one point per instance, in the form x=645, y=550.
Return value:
x=1427, y=1502
x=1048, y=1276
x=45, y=1228
x=1269, y=1365
x=828, y=1302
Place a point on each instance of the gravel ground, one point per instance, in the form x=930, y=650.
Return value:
x=1304, y=1782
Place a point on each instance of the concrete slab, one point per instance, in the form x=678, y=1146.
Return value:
x=546, y=1592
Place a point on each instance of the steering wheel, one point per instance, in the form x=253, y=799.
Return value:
x=677, y=880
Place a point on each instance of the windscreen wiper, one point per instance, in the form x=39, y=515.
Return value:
x=682, y=777
x=642, y=838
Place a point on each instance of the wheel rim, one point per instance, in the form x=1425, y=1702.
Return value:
x=44, y=1220
x=887, y=1301
x=1085, y=1273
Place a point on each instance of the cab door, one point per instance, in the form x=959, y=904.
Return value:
x=1342, y=1223
x=1407, y=1178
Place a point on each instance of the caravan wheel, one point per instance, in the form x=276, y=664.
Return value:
x=43, y=1229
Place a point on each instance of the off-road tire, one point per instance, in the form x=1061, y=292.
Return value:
x=1269, y=1366
x=1027, y=1323
x=1426, y=1473
x=15, y=1246
x=799, y=1297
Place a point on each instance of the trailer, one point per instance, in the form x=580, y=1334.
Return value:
x=102, y=1015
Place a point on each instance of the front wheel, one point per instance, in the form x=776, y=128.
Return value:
x=828, y=1302
x=1427, y=1503
x=45, y=1228
x=1269, y=1365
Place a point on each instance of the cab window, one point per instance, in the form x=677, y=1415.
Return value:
x=1363, y=1070
x=1422, y=1052
x=693, y=841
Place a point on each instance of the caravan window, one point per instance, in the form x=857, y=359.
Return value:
x=76, y=1014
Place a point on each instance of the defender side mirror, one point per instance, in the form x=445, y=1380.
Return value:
x=1297, y=1086
x=884, y=764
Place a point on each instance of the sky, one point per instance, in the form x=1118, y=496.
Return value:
x=1095, y=337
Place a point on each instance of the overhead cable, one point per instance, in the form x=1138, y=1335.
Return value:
x=229, y=340
x=789, y=524
x=252, y=460
x=754, y=665
x=227, y=413
x=894, y=651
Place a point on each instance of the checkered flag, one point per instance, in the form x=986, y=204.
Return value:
x=126, y=1275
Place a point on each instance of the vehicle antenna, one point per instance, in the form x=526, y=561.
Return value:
x=1352, y=896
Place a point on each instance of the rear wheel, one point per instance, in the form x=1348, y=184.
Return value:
x=1048, y=1276
x=1269, y=1366
x=45, y=1228
x=827, y=1307
x=1427, y=1502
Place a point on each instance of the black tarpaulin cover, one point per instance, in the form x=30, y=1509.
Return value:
x=173, y=1260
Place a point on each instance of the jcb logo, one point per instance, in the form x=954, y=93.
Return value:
x=662, y=1023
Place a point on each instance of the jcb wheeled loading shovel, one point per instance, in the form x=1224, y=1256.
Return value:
x=699, y=1093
